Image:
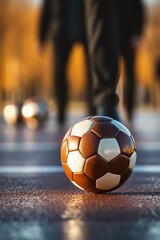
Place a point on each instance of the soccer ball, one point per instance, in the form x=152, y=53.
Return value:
x=35, y=113
x=98, y=154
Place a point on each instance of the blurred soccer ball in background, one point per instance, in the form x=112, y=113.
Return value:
x=35, y=113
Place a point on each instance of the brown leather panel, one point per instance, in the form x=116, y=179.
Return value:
x=125, y=175
x=83, y=181
x=64, y=152
x=96, y=167
x=126, y=143
x=118, y=165
x=105, y=129
x=67, y=171
x=89, y=144
x=101, y=119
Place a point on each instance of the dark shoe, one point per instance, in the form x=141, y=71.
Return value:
x=109, y=107
x=92, y=111
x=109, y=111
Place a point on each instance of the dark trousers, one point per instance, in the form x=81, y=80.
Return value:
x=62, y=49
x=128, y=54
x=101, y=23
x=61, y=53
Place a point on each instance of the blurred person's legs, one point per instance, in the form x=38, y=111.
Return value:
x=91, y=109
x=62, y=50
x=101, y=24
x=130, y=81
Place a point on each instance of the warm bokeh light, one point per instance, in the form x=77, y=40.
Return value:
x=77, y=71
x=10, y=114
x=29, y=110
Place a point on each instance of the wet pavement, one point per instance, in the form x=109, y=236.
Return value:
x=38, y=202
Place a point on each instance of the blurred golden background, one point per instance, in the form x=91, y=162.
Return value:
x=26, y=71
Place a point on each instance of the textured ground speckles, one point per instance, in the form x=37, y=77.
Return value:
x=48, y=206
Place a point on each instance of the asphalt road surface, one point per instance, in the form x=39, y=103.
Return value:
x=38, y=202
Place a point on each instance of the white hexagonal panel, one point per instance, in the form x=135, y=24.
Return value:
x=108, y=181
x=108, y=148
x=121, y=127
x=75, y=161
x=79, y=129
x=133, y=159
